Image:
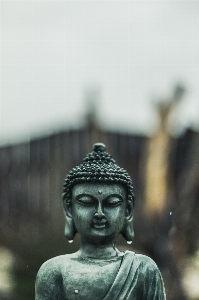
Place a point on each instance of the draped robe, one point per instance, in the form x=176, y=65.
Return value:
x=137, y=279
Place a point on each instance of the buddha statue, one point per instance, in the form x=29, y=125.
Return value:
x=98, y=203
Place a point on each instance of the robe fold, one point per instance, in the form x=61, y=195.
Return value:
x=137, y=279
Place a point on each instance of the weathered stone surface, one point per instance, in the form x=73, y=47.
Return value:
x=98, y=203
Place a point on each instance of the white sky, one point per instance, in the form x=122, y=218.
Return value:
x=133, y=51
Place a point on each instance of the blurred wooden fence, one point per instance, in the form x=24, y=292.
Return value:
x=32, y=175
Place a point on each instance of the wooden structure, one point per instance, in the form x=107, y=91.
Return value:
x=31, y=217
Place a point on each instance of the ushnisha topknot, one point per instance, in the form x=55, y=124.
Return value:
x=97, y=166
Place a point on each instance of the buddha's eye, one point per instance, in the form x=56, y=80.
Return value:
x=86, y=200
x=113, y=201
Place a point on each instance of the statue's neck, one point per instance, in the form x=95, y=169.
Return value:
x=108, y=251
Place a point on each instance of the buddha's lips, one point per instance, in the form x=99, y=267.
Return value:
x=100, y=224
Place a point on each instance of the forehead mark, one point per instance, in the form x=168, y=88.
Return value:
x=99, y=192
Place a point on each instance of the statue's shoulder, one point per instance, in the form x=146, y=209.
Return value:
x=146, y=262
x=151, y=276
x=49, y=268
x=143, y=261
x=53, y=267
x=49, y=278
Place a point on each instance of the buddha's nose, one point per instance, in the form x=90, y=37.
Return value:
x=99, y=212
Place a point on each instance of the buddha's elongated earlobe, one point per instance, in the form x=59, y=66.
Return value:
x=128, y=232
x=70, y=229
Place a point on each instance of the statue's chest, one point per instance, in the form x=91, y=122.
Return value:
x=89, y=281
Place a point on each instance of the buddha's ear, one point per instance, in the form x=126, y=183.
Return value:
x=67, y=205
x=70, y=229
x=128, y=232
x=130, y=209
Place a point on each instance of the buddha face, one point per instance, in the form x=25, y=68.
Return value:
x=99, y=211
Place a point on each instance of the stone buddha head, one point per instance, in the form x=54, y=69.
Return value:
x=98, y=199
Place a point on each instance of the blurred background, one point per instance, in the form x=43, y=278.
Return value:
x=124, y=73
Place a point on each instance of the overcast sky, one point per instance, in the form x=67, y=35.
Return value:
x=133, y=52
